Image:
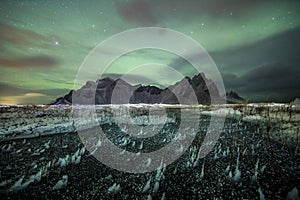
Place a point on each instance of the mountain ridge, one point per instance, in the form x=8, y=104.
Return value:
x=196, y=90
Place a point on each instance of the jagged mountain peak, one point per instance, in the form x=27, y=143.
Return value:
x=107, y=91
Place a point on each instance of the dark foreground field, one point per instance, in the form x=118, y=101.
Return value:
x=246, y=163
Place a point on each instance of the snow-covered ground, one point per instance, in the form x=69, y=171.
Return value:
x=30, y=121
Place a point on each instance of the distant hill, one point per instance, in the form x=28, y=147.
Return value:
x=233, y=97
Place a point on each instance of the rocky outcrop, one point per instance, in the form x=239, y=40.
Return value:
x=197, y=90
x=296, y=102
x=233, y=97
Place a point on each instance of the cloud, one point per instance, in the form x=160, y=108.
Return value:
x=9, y=90
x=15, y=35
x=145, y=12
x=138, y=11
x=35, y=61
x=11, y=94
x=53, y=92
x=60, y=81
x=271, y=82
x=12, y=37
x=231, y=81
x=217, y=8
x=27, y=98
x=281, y=48
x=34, y=95
x=267, y=70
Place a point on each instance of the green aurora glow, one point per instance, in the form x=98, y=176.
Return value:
x=255, y=44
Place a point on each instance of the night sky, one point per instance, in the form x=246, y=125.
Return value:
x=255, y=44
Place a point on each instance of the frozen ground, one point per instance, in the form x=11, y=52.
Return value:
x=257, y=155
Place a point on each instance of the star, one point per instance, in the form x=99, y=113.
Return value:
x=202, y=24
x=56, y=43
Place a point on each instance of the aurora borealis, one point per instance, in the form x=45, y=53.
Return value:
x=255, y=44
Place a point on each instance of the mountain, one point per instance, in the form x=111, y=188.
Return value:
x=109, y=91
x=296, y=101
x=233, y=97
